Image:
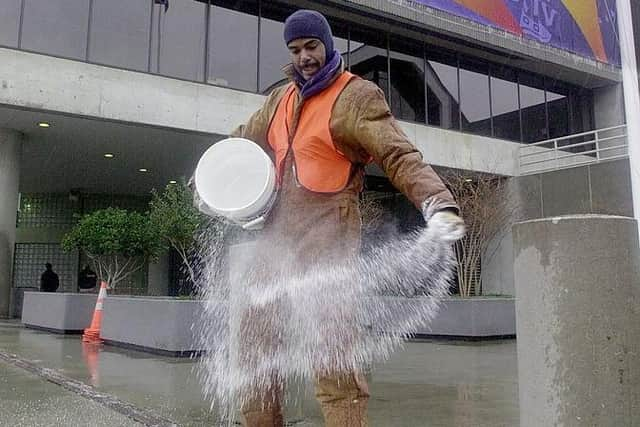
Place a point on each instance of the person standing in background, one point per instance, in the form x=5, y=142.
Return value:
x=49, y=281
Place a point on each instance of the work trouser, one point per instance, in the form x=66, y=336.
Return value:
x=311, y=227
x=343, y=400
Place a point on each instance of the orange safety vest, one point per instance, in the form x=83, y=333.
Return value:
x=319, y=165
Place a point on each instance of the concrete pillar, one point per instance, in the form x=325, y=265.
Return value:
x=631, y=95
x=578, y=321
x=10, y=145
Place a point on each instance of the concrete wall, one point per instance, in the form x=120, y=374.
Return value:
x=45, y=83
x=602, y=188
x=10, y=146
x=459, y=150
x=59, y=85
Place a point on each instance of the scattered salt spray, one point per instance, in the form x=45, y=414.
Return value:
x=259, y=332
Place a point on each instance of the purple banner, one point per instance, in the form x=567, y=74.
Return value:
x=584, y=27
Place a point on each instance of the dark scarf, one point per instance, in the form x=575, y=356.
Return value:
x=322, y=79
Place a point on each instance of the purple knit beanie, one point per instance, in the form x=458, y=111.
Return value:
x=308, y=24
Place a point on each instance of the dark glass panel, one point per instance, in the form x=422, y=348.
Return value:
x=442, y=94
x=407, y=80
x=532, y=105
x=504, y=103
x=179, y=37
x=56, y=27
x=474, y=97
x=233, y=45
x=368, y=56
x=9, y=22
x=558, y=108
x=120, y=33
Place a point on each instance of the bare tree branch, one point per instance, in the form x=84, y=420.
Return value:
x=487, y=211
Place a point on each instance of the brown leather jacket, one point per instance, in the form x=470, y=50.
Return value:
x=363, y=127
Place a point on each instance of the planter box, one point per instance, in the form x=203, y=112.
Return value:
x=159, y=325
x=474, y=318
x=60, y=312
x=17, y=298
x=163, y=325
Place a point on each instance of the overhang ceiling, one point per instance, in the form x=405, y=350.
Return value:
x=70, y=153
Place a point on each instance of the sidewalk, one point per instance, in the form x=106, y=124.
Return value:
x=26, y=400
x=427, y=384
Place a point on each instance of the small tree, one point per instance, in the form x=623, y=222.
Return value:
x=117, y=242
x=176, y=219
x=486, y=209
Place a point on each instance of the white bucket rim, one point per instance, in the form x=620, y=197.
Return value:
x=270, y=181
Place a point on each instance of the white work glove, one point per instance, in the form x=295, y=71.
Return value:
x=448, y=225
x=445, y=222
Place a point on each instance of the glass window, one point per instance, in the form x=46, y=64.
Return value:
x=56, y=27
x=407, y=80
x=533, y=108
x=178, y=39
x=9, y=22
x=570, y=112
x=233, y=46
x=340, y=32
x=273, y=52
x=504, y=103
x=273, y=55
x=558, y=108
x=580, y=110
x=120, y=33
x=368, y=56
x=442, y=91
x=474, y=97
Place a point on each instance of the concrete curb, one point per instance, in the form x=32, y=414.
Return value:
x=144, y=417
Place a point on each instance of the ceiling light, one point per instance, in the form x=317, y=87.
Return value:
x=143, y=170
x=44, y=125
x=172, y=182
x=468, y=180
x=108, y=155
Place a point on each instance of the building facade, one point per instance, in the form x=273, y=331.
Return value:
x=103, y=100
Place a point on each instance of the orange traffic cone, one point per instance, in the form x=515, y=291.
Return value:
x=92, y=333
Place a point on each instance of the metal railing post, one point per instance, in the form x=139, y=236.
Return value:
x=537, y=157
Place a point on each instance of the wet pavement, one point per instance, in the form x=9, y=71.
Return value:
x=26, y=400
x=425, y=384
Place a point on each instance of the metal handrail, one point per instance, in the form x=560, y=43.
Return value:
x=574, y=165
x=576, y=135
x=556, y=152
x=564, y=147
x=578, y=144
x=584, y=153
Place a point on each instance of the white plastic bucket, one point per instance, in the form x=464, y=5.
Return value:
x=236, y=179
